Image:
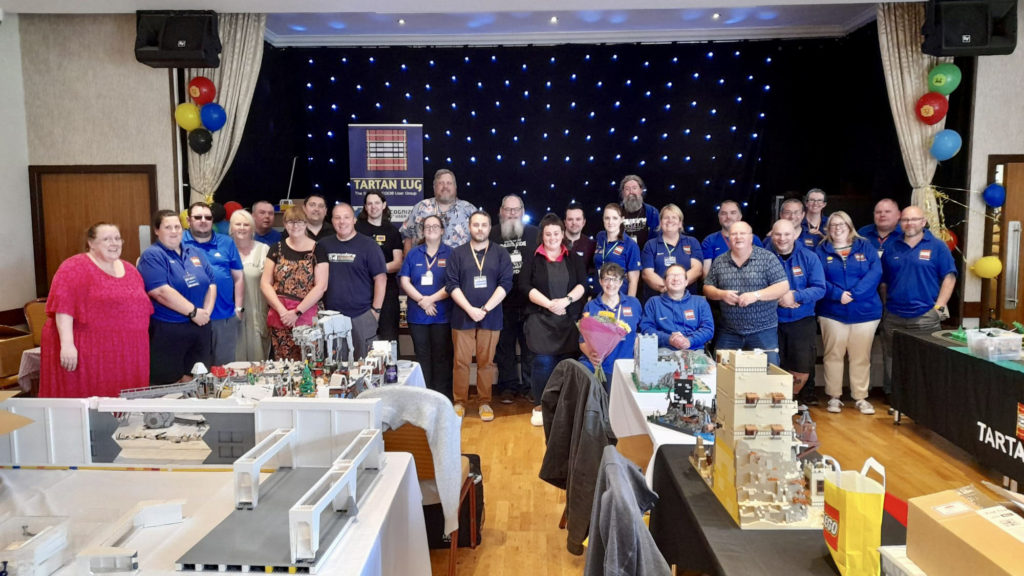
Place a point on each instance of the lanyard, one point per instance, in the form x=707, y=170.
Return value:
x=671, y=249
x=430, y=263
x=605, y=252
x=479, y=262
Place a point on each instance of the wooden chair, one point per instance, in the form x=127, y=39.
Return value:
x=35, y=317
x=413, y=439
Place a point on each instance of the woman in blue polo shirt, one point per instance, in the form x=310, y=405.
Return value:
x=625, y=308
x=179, y=279
x=671, y=247
x=422, y=278
x=613, y=245
x=850, y=310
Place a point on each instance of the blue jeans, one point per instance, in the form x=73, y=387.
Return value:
x=764, y=340
x=543, y=366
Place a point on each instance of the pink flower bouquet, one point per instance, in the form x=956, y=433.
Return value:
x=602, y=333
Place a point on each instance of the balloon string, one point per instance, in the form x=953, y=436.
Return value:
x=945, y=198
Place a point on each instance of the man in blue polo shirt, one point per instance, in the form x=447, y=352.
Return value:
x=797, y=327
x=886, y=227
x=263, y=216
x=717, y=243
x=223, y=256
x=680, y=320
x=478, y=278
x=748, y=281
x=357, y=277
x=918, y=276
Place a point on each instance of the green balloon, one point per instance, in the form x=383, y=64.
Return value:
x=944, y=78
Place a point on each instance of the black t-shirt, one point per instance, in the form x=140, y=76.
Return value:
x=387, y=237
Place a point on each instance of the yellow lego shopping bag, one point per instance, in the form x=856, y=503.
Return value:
x=853, y=519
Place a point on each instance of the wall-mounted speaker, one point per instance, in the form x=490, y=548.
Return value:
x=177, y=38
x=969, y=27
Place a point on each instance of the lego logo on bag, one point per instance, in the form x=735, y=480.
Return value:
x=831, y=526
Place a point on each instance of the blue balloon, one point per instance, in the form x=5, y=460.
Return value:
x=945, y=145
x=213, y=116
x=995, y=195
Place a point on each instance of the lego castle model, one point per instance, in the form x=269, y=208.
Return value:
x=754, y=470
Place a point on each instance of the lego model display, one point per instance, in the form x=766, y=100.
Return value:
x=686, y=415
x=657, y=369
x=754, y=470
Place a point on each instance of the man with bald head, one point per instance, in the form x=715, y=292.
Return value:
x=748, y=281
x=797, y=323
x=918, y=276
x=717, y=243
x=886, y=226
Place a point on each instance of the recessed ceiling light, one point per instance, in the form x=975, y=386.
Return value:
x=401, y=21
x=716, y=16
x=554, y=19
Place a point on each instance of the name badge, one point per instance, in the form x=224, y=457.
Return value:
x=689, y=315
x=516, y=257
x=798, y=271
x=880, y=252
x=686, y=249
x=670, y=260
x=925, y=255
x=381, y=239
x=191, y=281
x=427, y=279
x=861, y=258
x=479, y=281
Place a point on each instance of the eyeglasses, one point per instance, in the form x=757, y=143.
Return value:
x=515, y=210
x=816, y=201
x=207, y=217
x=909, y=220
x=303, y=222
x=612, y=279
x=432, y=227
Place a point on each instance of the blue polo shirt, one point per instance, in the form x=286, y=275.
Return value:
x=658, y=255
x=870, y=233
x=629, y=311
x=270, y=238
x=859, y=274
x=761, y=270
x=714, y=245
x=624, y=252
x=806, y=228
x=415, y=267
x=462, y=273
x=352, y=266
x=806, y=239
x=223, y=256
x=913, y=276
x=806, y=280
x=690, y=316
x=189, y=273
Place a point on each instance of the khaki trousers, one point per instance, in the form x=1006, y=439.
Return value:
x=466, y=343
x=841, y=339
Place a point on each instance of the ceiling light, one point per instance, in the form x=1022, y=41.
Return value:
x=401, y=21
x=716, y=16
x=554, y=19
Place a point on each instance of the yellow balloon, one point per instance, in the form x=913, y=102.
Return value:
x=988, y=267
x=184, y=218
x=187, y=116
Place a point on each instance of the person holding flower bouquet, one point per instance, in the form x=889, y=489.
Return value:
x=610, y=308
x=554, y=280
x=681, y=320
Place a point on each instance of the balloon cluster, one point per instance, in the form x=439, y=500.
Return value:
x=201, y=117
x=933, y=106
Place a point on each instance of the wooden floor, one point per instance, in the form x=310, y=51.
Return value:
x=521, y=534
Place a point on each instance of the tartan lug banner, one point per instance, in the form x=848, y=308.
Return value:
x=387, y=158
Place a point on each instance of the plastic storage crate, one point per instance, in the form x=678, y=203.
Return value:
x=994, y=344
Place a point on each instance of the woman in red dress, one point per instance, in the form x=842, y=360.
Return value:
x=95, y=340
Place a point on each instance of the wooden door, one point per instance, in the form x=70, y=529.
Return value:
x=67, y=200
x=1003, y=296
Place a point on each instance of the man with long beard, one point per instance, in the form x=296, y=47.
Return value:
x=639, y=219
x=520, y=240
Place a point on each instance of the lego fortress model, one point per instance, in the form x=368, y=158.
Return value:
x=754, y=470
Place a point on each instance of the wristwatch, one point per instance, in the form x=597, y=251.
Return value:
x=240, y=310
x=377, y=310
x=569, y=296
x=192, y=314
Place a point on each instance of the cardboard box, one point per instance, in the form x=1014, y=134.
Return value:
x=12, y=343
x=964, y=532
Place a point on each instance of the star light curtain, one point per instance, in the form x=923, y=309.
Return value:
x=555, y=123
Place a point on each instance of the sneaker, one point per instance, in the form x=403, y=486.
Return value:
x=486, y=414
x=865, y=407
x=537, y=418
x=508, y=397
x=460, y=410
x=835, y=406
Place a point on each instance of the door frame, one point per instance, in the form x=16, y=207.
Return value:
x=991, y=290
x=35, y=191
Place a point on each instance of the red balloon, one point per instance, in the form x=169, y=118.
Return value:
x=931, y=108
x=949, y=237
x=201, y=90
x=230, y=208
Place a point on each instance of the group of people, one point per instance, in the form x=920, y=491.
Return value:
x=508, y=295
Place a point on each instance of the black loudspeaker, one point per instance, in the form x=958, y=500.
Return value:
x=177, y=38
x=969, y=27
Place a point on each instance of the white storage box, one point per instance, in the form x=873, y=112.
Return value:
x=34, y=545
x=994, y=344
x=896, y=563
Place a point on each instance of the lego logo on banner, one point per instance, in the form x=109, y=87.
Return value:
x=1020, y=421
x=831, y=526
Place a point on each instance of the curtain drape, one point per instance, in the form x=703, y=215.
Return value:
x=906, y=77
x=242, y=53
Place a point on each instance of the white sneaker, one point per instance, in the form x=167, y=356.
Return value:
x=537, y=418
x=865, y=407
x=835, y=406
